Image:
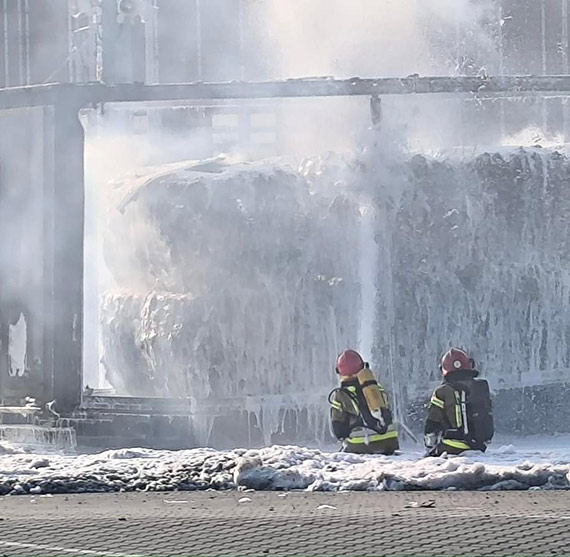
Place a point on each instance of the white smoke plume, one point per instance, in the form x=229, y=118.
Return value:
x=388, y=38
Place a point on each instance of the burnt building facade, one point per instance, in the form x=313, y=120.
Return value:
x=157, y=41
x=120, y=41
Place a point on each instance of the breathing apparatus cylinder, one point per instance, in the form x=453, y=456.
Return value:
x=374, y=396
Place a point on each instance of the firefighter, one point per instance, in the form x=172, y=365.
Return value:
x=360, y=412
x=460, y=413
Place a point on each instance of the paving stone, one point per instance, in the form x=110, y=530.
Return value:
x=216, y=524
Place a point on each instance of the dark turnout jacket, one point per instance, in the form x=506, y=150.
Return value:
x=347, y=408
x=449, y=424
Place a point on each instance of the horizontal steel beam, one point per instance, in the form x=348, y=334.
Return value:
x=83, y=95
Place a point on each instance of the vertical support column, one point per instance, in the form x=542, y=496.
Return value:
x=565, y=68
x=241, y=23
x=21, y=45
x=26, y=41
x=198, y=33
x=543, y=51
x=376, y=111
x=544, y=101
x=124, y=43
x=63, y=263
x=564, y=12
x=48, y=204
x=151, y=41
x=501, y=102
x=6, y=44
x=73, y=55
x=459, y=61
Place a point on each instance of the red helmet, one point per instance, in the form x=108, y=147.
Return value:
x=456, y=360
x=349, y=362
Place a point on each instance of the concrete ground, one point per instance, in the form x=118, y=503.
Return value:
x=270, y=523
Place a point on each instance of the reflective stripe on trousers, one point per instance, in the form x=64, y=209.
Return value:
x=456, y=444
x=372, y=438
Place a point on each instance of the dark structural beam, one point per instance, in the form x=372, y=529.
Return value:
x=93, y=93
x=63, y=210
x=68, y=236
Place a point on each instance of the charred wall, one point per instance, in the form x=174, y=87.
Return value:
x=22, y=254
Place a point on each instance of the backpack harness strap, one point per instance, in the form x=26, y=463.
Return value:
x=361, y=407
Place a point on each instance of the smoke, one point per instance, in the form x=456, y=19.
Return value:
x=112, y=151
x=388, y=38
x=294, y=39
x=21, y=246
x=373, y=38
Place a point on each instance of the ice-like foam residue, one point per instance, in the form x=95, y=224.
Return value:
x=286, y=468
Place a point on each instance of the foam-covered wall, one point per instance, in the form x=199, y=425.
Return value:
x=477, y=254
x=239, y=283
x=235, y=282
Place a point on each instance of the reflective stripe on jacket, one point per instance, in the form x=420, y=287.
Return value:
x=447, y=416
x=349, y=426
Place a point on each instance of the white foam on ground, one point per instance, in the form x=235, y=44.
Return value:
x=533, y=463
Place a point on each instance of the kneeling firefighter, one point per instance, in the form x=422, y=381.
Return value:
x=460, y=416
x=360, y=413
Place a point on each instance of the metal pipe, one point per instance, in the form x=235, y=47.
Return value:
x=27, y=40
x=151, y=42
x=84, y=94
x=501, y=70
x=459, y=62
x=155, y=41
x=71, y=57
x=241, y=40
x=565, y=69
x=564, y=10
x=20, y=17
x=543, y=102
x=198, y=30
x=6, y=45
x=543, y=31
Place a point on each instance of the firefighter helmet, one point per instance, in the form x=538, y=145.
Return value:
x=349, y=363
x=456, y=359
